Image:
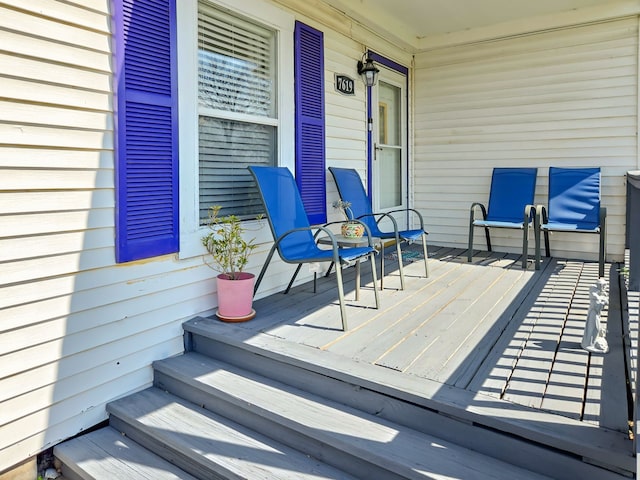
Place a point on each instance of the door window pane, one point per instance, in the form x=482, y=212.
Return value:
x=389, y=114
x=390, y=187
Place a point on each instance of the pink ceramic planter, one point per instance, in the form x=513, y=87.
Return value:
x=235, y=298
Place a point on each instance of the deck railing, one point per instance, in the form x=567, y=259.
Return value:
x=632, y=239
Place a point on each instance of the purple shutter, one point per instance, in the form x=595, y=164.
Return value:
x=146, y=129
x=310, y=129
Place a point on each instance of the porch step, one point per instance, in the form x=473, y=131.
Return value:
x=185, y=438
x=349, y=439
x=208, y=445
x=237, y=406
x=107, y=453
x=267, y=430
x=529, y=438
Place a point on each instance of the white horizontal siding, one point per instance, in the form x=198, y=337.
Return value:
x=345, y=114
x=76, y=330
x=565, y=98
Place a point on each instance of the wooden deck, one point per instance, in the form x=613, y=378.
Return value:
x=474, y=372
x=487, y=326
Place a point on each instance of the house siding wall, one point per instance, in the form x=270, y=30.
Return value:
x=564, y=98
x=77, y=329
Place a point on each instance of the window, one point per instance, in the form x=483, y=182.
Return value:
x=237, y=108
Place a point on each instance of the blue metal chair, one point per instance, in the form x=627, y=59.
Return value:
x=510, y=206
x=294, y=237
x=574, y=206
x=351, y=190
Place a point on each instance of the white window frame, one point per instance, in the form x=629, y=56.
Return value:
x=187, y=33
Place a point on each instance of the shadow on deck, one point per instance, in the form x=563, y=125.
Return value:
x=487, y=337
x=473, y=373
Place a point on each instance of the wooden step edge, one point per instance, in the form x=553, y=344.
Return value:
x=507, y=448
x=299, y=418
x=602, y=447
x=208, y=446
x=105, y=453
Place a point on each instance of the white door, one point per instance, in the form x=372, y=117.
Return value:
x=389, y=163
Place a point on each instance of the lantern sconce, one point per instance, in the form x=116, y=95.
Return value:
x=368, y=71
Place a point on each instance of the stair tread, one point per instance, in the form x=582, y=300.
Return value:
x=600, y=446
x=392, y=446
x=213, y=443
x=105, y=453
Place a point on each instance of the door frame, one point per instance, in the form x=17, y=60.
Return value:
x=405, y=72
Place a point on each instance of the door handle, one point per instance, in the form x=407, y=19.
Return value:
x=375, y=151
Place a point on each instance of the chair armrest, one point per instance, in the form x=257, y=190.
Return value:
x=541, y=214
x=530, y=213
x=412, y=210
x=379, y=216
x=472, y=212
x=294, y=230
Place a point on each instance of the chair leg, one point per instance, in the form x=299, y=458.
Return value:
x=264, y=269
x=470, y=250
x=525, y=246
x=343, y=311
x=329, y=270
x=536, y=234
x=375, y=280
x=381, y=264
x=426, y=256
x=400, y=267
x=539, y=219
x=488, y=237
x=603, y=240
x=547, y=250
x=295, y=274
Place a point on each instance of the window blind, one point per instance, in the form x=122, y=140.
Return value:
x=227, y=148
x=237, y=106
x=235, y=63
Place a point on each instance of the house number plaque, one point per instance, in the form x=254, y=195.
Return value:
x=345, y=85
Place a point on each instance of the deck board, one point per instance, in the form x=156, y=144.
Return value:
x=528, y=379
x=106, y=453
x=406, y=317
x=605, y=447
x=467, y=329
x=437, y=325
x=614, y=383
x=487, y=326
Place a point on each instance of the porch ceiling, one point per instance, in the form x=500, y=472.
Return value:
x=424, y=24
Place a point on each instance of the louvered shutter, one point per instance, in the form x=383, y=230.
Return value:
x=310, y=128
x=146, y=124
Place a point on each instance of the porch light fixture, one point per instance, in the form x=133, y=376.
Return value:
x=368, y=71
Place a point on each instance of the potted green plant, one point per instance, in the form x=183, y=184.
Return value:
x=228, y=254
x=351, y=228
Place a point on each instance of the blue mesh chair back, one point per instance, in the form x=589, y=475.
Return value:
x=294, y=237
x=512, y=189
x=511, y=198
x=574, y=206
x=574, y=199
x=351, y=189
x=285, y=212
